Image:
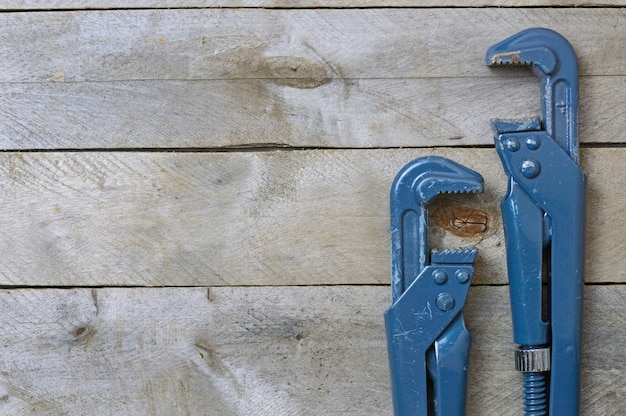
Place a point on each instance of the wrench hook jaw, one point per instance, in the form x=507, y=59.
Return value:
x=416, y=185
x=553, y=59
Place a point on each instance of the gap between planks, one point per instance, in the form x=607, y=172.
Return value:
x=275, y=148
x=317, y=5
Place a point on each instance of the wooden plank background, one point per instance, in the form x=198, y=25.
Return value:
x=194, y=198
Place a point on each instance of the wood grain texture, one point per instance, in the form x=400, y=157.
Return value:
x=422, y=112
x=303, y=78
x=241, y=351
x=250, y=218
x=307, y=229
x=158, y=4
x=301, y=47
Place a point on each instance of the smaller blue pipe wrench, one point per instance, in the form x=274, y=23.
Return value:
x=427, y=341
x=544, y=223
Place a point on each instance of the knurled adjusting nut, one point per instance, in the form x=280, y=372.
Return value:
x=532, y=360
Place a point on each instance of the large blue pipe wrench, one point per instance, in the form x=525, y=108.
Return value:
x=544, y=223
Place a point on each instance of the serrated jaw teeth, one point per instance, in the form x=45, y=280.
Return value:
x=464, y=255
x=509, y=58
x=466, y=189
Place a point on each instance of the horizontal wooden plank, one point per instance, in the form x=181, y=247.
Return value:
x=309, y=45
x=249, y=218
x=278, y=351
x=162, y=4
x=358, y=113
x=179, y=78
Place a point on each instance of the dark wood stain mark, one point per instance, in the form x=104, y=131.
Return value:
x=292, y=71
x=211, y=357
x=461, y=220
x=84, y=335
x=216, y=364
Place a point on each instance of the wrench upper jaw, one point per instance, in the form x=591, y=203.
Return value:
x=445, y=177
x=553, y=59
x=543, y=49
x=421, y=180
x=427, y=191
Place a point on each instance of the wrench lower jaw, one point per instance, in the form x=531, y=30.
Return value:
x=501, y=126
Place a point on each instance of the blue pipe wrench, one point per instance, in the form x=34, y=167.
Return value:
x=427, y=341
x=544, y=223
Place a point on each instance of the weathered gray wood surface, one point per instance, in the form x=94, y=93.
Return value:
x=258, y=351
x=305, y=78
x=250, y=218
x=129, y=4
x=178, y=109
x=345, y=114
x=310, y=45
